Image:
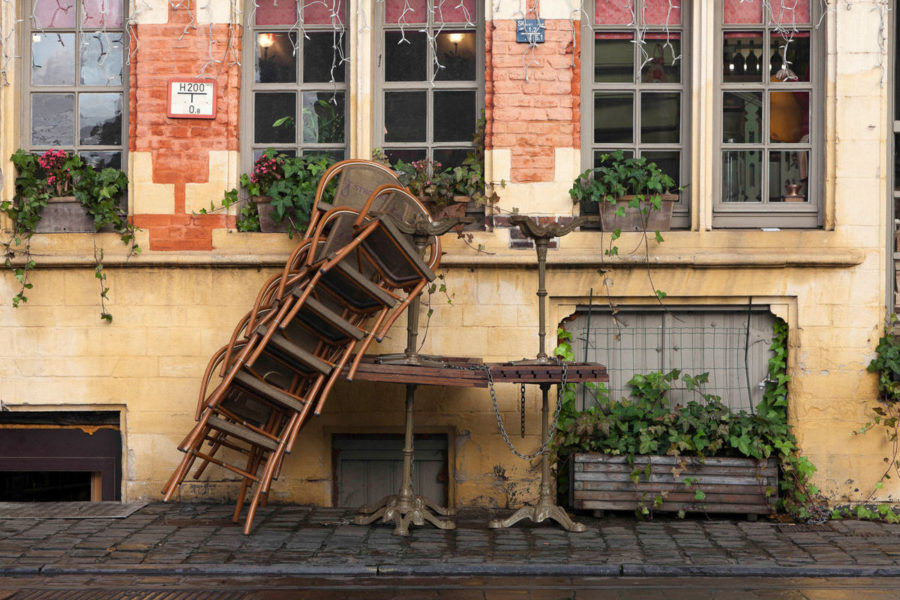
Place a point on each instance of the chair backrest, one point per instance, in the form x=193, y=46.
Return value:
x=400, y=204
x=354, y=181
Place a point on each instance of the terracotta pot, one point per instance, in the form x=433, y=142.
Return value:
x=657, y=220
x=456, y=209
x=64, y=214
x=267, y=222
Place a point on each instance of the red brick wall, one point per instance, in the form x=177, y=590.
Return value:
x=180, y=147
x=532, y=117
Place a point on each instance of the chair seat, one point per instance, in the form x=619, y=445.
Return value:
x=351, y=286
x=245, y=433
x=268, y=391
x=327, y=323
x=293, y=353
x=394, y=256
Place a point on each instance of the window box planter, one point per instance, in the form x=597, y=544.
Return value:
x=64, y=214
x=267, y=222
x=657, y=220
x=730, y=485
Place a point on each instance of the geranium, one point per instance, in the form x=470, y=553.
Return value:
x=57, y=164
x=267, y=170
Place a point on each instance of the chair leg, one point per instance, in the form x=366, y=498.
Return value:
x=399, y=310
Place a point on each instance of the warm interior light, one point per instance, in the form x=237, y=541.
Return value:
x=265, y=40
x=456, y=38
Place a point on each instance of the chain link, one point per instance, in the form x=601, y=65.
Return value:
x=503, y=433
x=522, y=409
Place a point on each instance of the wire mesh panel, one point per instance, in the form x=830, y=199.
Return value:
x=731, y=345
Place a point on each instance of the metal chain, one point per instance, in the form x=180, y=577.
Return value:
x=559, y=391
x=522, y=409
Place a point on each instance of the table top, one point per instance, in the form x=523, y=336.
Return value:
x=472, y=372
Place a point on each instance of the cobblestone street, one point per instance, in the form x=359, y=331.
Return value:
x=302, y=541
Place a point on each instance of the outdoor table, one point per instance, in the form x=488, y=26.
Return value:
x=405, y=507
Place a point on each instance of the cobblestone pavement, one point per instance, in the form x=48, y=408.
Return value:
x=124, y=587
x=306, y=541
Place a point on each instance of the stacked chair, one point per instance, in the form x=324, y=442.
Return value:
x=347, y=281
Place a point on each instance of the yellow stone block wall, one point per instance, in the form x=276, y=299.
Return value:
x=172, y=310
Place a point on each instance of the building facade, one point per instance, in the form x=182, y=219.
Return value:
x=735, y=99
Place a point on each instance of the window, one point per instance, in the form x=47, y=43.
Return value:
x=294, y=68
x=635, y=87
x=729, y=343
x=431, y=77
x=770, y=97
x=75, y=86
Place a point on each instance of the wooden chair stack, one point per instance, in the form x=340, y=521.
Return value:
x=348, y=280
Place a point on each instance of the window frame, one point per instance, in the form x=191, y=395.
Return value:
x=27, y=89
x=250, y=86
x=808, y=215
x=681, y=217
x=381, y=86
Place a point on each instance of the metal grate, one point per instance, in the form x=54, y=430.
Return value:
x=731, y=347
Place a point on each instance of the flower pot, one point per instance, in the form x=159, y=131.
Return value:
x=64, y=214
x=457, y=208
x=728, y=485
x=657, y=220
x=267, y=222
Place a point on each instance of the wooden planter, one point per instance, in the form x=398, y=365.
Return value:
x=657, y=220
x=456, y=209
x=64, y=214
x=731, y=485
x=267, y=222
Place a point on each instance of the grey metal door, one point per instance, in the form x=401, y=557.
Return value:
x=368, y=467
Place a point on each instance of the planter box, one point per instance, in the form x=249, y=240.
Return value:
x=267, y=222
x=657, y=220
x=731, y=485
x=64, y=214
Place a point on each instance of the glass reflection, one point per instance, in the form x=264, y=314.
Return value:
x=450, y=157
x=456, y=53
x=100, y=119
x=405, y=61
x=101, y=58
x=101, y=13
x=404, y=116
x=660, y=118
x=662, y=66
x=271, y=107
x=742, y=57
x=741, y=176
x=613, y=58
x=53, y=13
x=323, y=118
x=53, y=58
x=454, y=116
x=321, y=61
x=276, y=61
x=742, y=117
x=53, y=119
x=613, y=118
x=103, y=160
x=788, y=173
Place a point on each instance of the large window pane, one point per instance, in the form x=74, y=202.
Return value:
x=405, y=60
x=405, y=116
x=742, y=117
x=53, y=119
x=324, y=12
x=321, y=61
x=789, y=13
x=103, y=160
x=456, y=54
x=743, y=11
x=450, y=157
x=276, y=61
x=270, y=107
x=454, y=116
x=613, y=118
x=405, y=11
x=662, y=12
x=613, y=13
x=797, y=65
x=613, y=57
x=100, y=119
x=101, y=58
x=741, y=176
x=669, y=162
x=53, y=58
x=323, y=118
x=661, y=118
x=407, y=155
x=455, y=11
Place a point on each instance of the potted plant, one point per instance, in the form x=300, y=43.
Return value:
x=282, y=190
x=58, y=192
x=632, y=194
x=645, y=454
